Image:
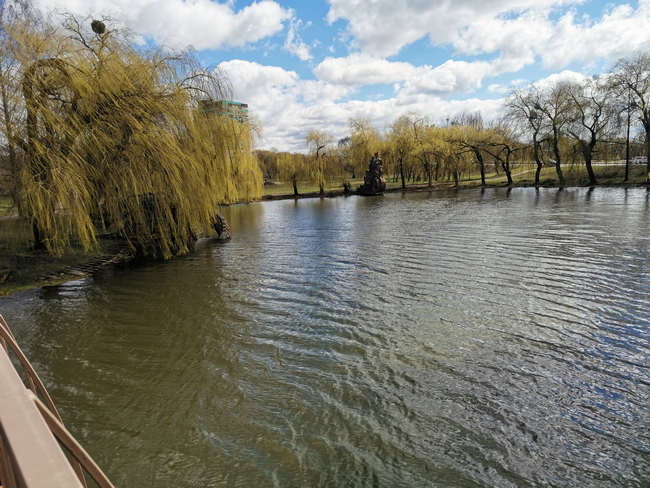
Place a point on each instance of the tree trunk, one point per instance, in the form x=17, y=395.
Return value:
x=627, y=147
x=13, y=163
x=536, y=156
x=537, y=173
x=31, y=121
x=295, y=186
x=481, y=165
x=590, y=170
x=560, y=176
x=39, y=243
x=456, y=177
x=556, y=152
x=647, y=152
x=401, y=173
x=506, y=169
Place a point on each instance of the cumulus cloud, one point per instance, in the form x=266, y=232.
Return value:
x=294, y=43
x=518, y=31
x=202, y=24
x=520, y=40
x=289, y=107
x=451, y=76
x=621, y=32
x=383, y=27
x=361, y=69
x=562, y=76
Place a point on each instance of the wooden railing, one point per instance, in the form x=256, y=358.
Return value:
x=36, y=450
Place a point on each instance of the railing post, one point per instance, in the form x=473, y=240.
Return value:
x=30, y=431
x=36, y=457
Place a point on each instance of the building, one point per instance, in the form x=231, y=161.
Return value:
x=235, y=110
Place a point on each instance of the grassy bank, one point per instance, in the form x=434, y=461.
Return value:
x=523, y=175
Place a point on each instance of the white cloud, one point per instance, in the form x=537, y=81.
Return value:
x=361, y=69
x=202, y=24
x=621, y=32
x=288, y=107
x=383, y=27
x=518, y=31
x=513, y=84
x=566, y=75
x=451, y=76
x=294, y=43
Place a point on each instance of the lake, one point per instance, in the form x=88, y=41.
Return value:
x=474, y=338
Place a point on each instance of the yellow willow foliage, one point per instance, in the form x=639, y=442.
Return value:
x=116, y=140
x=456, y=161
x=292, y=166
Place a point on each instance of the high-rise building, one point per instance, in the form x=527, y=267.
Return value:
x=235, y=110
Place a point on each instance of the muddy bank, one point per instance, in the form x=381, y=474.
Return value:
x=32, y=269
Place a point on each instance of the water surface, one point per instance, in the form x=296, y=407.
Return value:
x=451, y=339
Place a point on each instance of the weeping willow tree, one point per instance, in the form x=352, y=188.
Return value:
x=117, y=140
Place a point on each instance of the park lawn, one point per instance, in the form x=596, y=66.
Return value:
x=576, y=175
x=305, y=187
x=286, y=188
x=522, y=175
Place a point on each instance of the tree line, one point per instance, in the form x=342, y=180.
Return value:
x=540, y=125
x=101, y=135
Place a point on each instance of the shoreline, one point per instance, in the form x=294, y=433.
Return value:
x=445, y=186
x=116, y=254
x=60, y=270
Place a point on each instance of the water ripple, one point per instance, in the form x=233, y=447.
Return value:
x=465, y=339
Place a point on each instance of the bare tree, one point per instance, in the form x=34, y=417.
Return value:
x=555, y=107
x=592, y=115
x=520, y=109
x=633, y=75
x=471, y=137
x=502, y=146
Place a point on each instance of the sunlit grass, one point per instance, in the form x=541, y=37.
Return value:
x=522, y=175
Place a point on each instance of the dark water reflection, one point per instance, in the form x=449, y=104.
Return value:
x=474, y=339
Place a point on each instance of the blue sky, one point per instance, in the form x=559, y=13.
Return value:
x=316, y=64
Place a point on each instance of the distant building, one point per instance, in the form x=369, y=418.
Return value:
x=235, y=110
